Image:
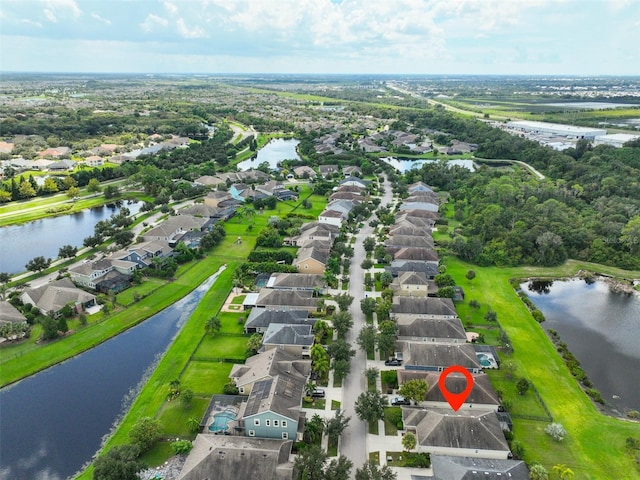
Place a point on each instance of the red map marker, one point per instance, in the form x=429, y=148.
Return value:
x=455, y=400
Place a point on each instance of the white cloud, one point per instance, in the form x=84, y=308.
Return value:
x=152, y=21
x=172, y=9
x=26, y=21
x=106, y=21
x=49, y=15
x=189, y=32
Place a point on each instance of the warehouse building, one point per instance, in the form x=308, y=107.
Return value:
x=556, y=129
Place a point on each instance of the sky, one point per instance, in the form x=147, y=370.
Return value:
x=505, y=37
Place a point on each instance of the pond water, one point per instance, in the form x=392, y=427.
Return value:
x=275, y=151
x=404, y=164
x=601, y=328
x=20, y=243
x=53, y=422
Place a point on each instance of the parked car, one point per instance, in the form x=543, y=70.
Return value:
x=400, y=401
x=318, y=393
x=394, y=362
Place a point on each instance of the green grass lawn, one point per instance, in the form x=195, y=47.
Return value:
x=150, y=284
x=594, y=447
x=237, y=300
x=390, y=414
x=335, y=404
x=205, y=378
x=373, y=427
x=222, y=347
x=174, y=416
x=315, y=403
x=230, y=321
x=158, y=454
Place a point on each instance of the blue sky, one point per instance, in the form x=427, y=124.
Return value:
x=527, y=37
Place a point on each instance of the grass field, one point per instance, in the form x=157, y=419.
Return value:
x=150, y=284
x=594, y=448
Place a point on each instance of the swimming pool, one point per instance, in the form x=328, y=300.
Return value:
x=221, y=420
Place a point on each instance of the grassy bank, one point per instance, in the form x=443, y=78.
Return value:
x=595, y=444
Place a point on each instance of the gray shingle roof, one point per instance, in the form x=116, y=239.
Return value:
x=437, y=427
x=425, y=306
x=296, y=280
x=481, y=394
x=398, y=266
x=446, y=467
x=287, y=334
x=416, y=253
x=56, y=295
x=438, y=354
x=269, y=364
x=232, y=457
x=263, y=317
x=281, y=394
x=9, y=313
x=431, y=328
x=413, y=241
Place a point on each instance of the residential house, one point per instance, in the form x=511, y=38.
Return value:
x=295, y=339
x=417, y=254
x=482, y=396
x=273, y=409
x=404, y=220
x=311, y=260
x=58, y=152
x=6, y=147
x=326, y=170
x=396, y=242
x=430, y=197
x=94, y=161
x=41, y=164
x=10, y=314
x=260, y=318
x=352, y=171
x=213, y=181
x=447, y=467
x=201, y=210
x=142, y=253
x=397, y=267
x=62, y=166
x=433, y=330
x=413, y=307
x=174, y=227
x=266, y=365
x=312, y=231
x=297, y=281
x=305, y=171
x=429, y=206
x=352, y=181
x=294, y=299
x=357, y=198
x=418, y=187
x=57, y=294
x=90, y=274
x=350, y=189
x=333, y=217
x=407, y=228
x=230, y=458
x=468, y=432
x=438, y=356
x=213, y=199
x=412, y=284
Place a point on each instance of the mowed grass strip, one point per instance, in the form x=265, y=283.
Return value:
x=205, y=378
x=595, y=445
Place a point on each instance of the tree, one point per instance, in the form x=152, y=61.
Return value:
x=254, y=343
x=444, y=280
x=214, y=325
x=193, y=423
x=564, y=472
x=369, y=244
x=409, y=441
x=119, y=463
x=522, y=386
x=385, y=279
x=314, y=428
x=26, y=190
x=386, y=337
x=367, y=338
x=93, y=186
x=145, y=432
x=181, y=447
x=366, y=264
x=343, y=300
x=341, y=368
x=37, y=264
x=470, y=275
x=67, y=251
x=320, y=360
x=491, y=316
x=49, y=326
x=415, y=390
x=474, y=304
x=50, y=185
x=368, y=305
x=342, y=322
x=186, y=397
x=5, y=277
x=73, y=192
x=630, y=234
x=123, y=238
x=309, y=465
x=334, y=427
x=370, y=406
x=371, y=471
x=372, y=374
x=538, y=472
x=555, y=431
x=338, y=469
x=111, y=191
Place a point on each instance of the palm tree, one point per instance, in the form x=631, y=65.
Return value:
x=194, y=424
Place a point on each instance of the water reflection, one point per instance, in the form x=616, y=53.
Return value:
x=540, y=286
x=273, y=153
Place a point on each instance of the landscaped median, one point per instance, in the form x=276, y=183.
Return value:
x=595, y=445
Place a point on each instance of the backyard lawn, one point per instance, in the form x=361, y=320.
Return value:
x=205, y=378
x=174, y=416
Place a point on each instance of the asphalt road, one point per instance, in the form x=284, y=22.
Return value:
x=353, y=442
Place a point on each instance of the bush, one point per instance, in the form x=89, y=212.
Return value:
x=556, y=431
x=181, y=446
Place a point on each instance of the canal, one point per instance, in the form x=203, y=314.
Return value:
x=54, y=422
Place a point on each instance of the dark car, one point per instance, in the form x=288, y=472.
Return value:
x=394, y=362
x=400, y=401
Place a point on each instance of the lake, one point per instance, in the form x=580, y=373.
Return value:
x=405, y=164
x=274, y=152
x=53, y=422
x=20, y=243
x=601, y=328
